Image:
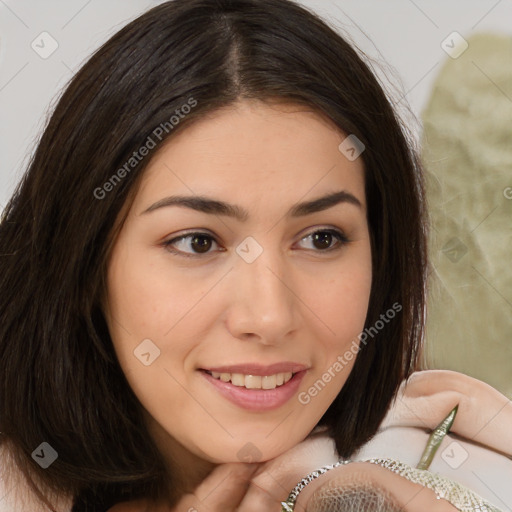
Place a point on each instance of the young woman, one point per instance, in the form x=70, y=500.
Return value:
x=213, y=269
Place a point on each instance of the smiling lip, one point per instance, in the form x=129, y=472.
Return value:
x=257, y=369
x=257, y=400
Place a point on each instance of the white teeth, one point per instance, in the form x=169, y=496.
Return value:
x=269, y=382
x=254, y=381
x=237, y=379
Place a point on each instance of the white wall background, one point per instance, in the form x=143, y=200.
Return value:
x=403, y=34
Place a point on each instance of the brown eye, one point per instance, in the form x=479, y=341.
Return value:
x=197, y=244
x=322, y=240
x=190, y=245
x=201, y=243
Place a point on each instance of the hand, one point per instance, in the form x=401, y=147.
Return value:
x=221, y=491
x=383, y=489
x=274, y=479
x=249, y=487
x=256, y=487
x=366, y=486
x=484, y=414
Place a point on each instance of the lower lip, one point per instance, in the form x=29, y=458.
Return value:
x=257, y=399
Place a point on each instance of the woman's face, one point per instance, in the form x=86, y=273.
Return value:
x=250, y=278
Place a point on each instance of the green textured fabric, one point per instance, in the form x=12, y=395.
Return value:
x=467, y=152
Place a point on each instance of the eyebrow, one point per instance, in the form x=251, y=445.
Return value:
x=216, y=207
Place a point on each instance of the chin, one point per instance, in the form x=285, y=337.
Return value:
x=247, y=452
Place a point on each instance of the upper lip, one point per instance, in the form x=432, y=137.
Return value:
x=258, y=369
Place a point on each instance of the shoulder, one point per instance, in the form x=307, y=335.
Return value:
x=15, y=492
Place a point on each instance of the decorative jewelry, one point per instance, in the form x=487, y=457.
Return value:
x=453, y=492
x=289, y=504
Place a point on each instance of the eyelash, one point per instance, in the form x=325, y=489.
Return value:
x=339, y=235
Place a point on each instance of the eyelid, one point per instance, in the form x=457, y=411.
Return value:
x=337, y=233
x=167, y=244
x=326, y=228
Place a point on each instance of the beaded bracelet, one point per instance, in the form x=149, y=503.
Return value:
x=289, y=504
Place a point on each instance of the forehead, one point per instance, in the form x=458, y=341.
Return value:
x=254, y=152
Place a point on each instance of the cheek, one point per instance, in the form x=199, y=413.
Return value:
x=343, y=301
x=342, y=306
x=143, y=299
x=134, y=317
x=150, y=307
x=142, y=309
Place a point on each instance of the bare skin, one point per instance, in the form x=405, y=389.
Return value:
x=215, y=308
x=202, y=310
x=232, y=488
x=424, y=399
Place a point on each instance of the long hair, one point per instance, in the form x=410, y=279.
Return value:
x=60, y=381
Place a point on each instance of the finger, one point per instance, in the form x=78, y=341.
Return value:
x=222, y=491
x=484, y=414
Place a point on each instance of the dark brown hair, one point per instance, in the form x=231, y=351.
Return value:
x=60, y=380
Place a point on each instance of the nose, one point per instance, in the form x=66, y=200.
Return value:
x=263, y=304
